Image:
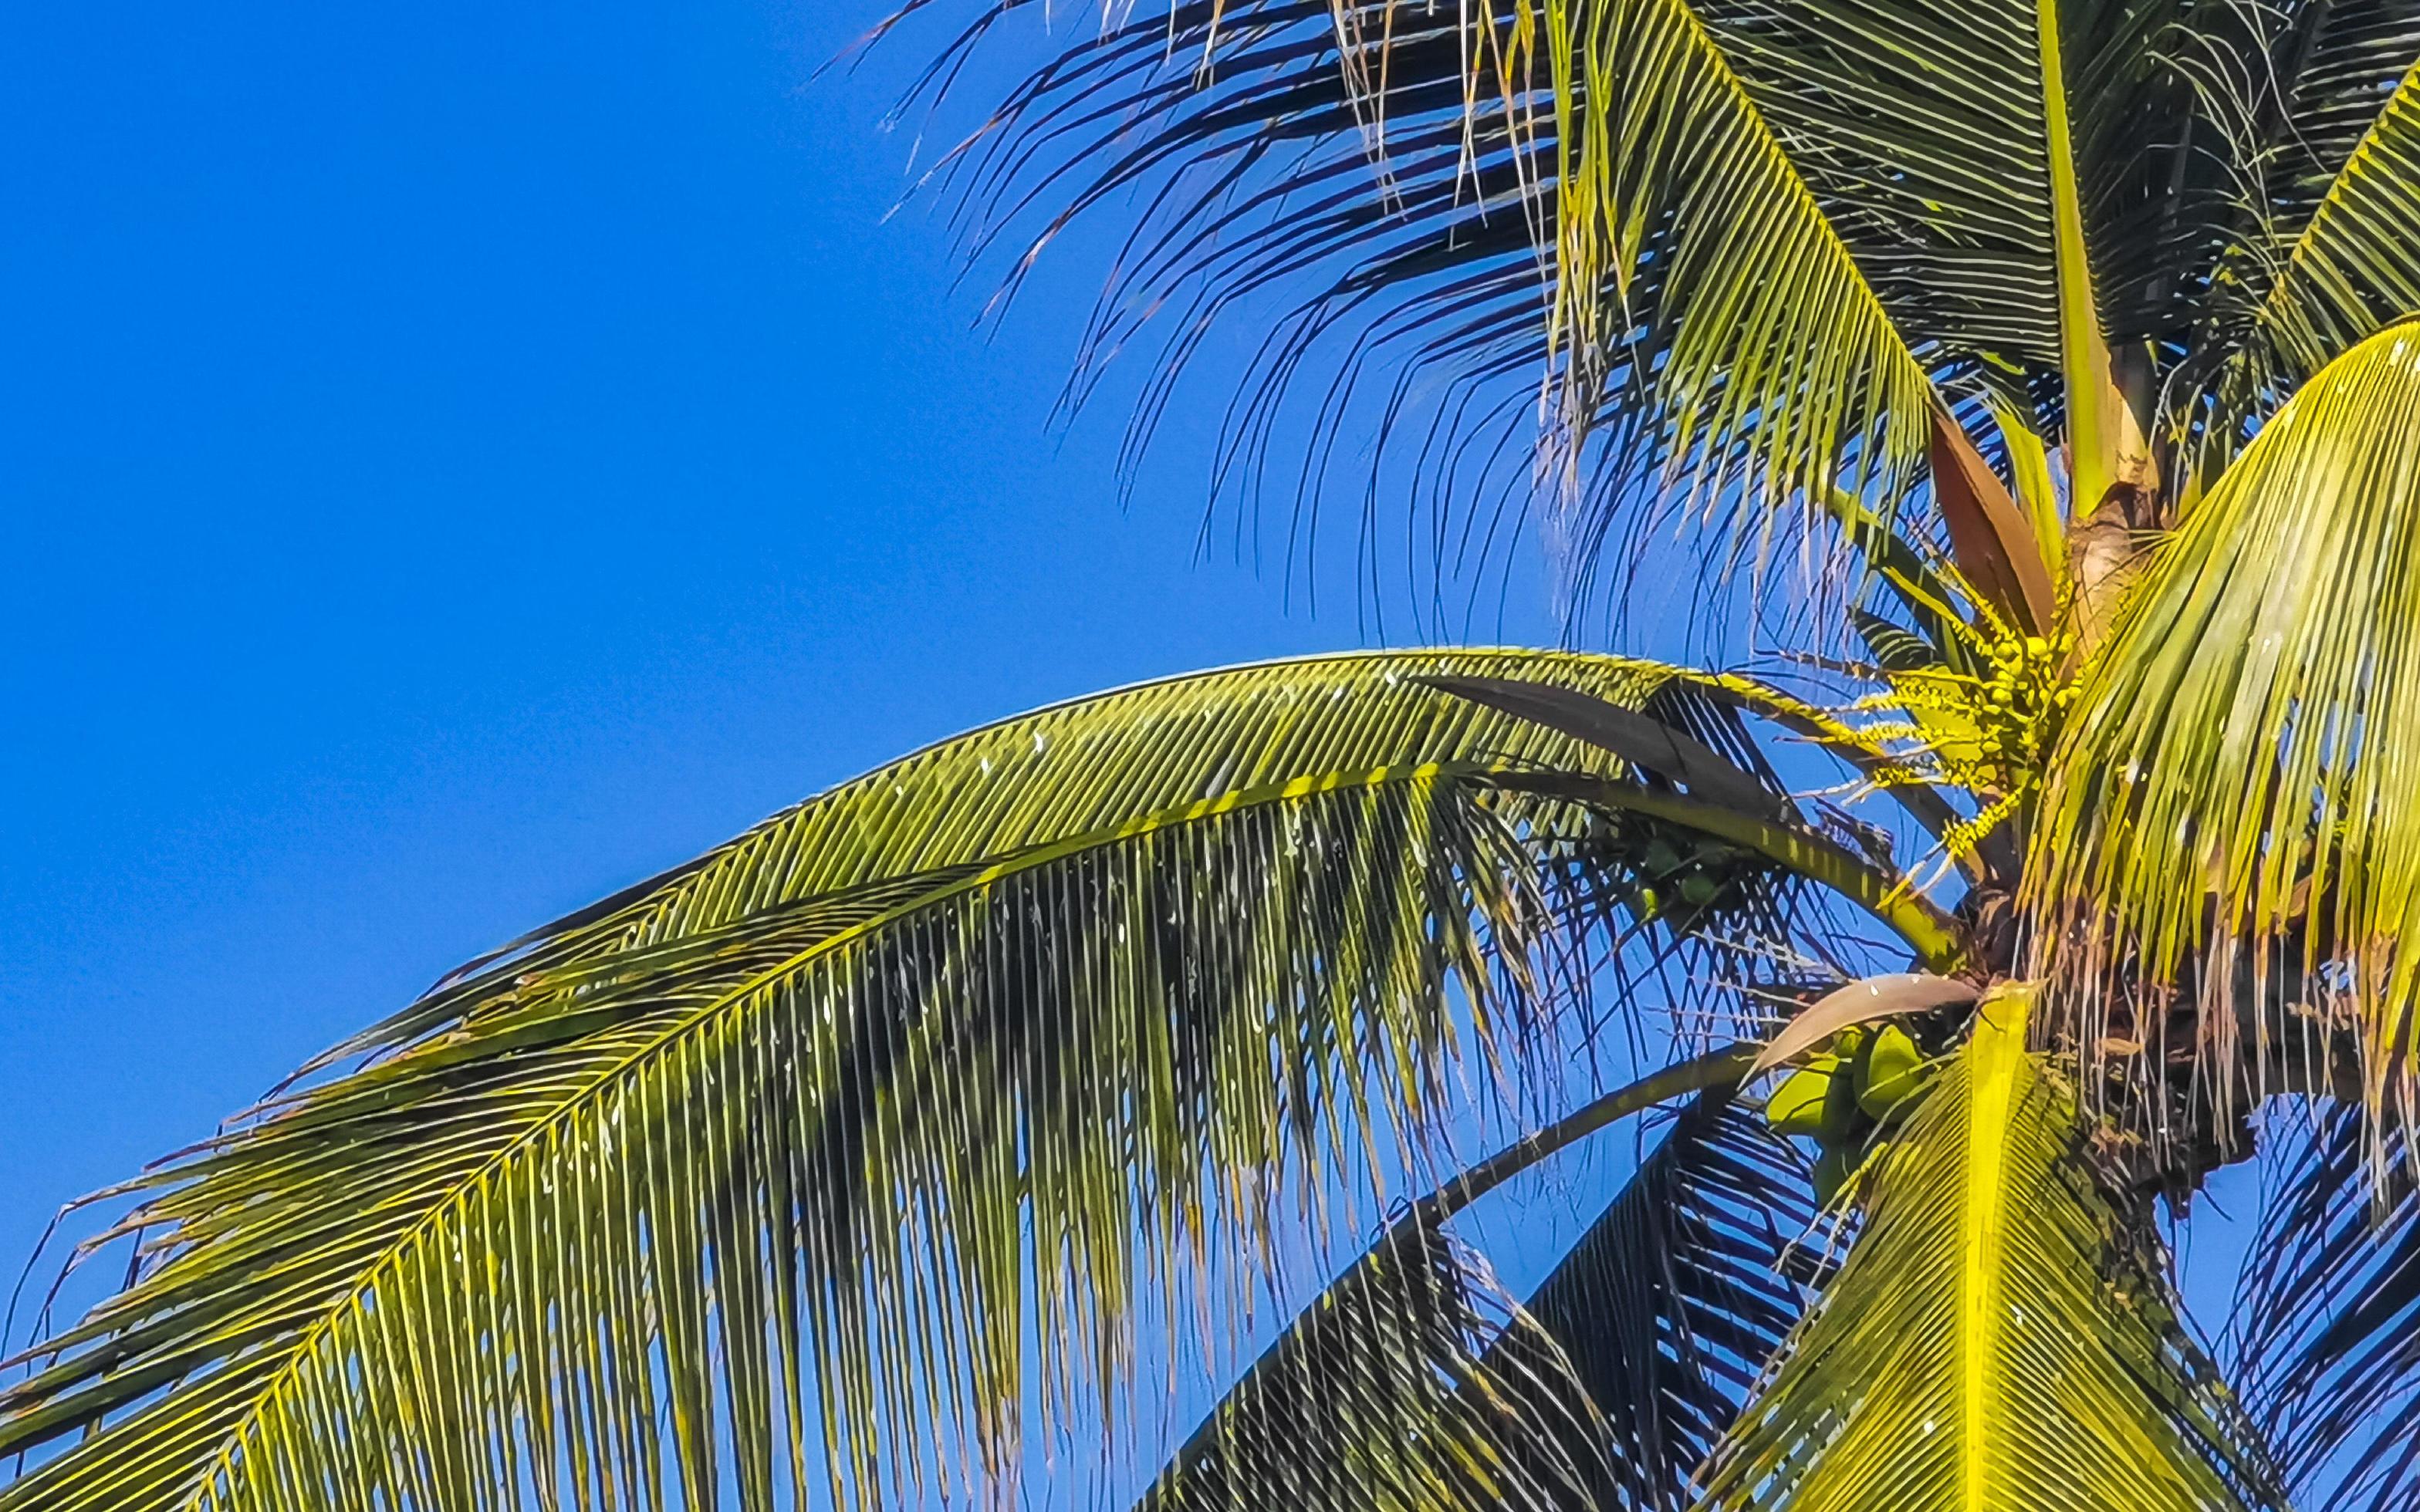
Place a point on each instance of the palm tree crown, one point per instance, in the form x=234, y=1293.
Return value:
x=2083, y=337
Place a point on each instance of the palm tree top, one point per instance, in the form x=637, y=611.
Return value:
x=832, y=1167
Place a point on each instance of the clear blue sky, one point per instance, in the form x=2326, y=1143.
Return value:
x=457, y=461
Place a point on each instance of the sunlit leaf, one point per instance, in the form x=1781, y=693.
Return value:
x=814, y=1168
x=2232, y=812
x=1997, y=1338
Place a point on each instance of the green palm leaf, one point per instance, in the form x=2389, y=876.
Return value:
x=1995, y=1338
x=804, y=1165
x=1408, y=1384
x=2228, y=811
x=2207, y=133
x=1861, y=180
x=2353, y=269
x=1765, y=342
x=1674, y=1302
x=1086, y=764
x=1919, y=127
x=1393, y=1390
x=1763, y=224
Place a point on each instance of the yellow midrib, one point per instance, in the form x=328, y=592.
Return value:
x=2083, y=355
x=1998, y=1055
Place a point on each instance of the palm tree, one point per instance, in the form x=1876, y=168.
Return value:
x=2076, y=337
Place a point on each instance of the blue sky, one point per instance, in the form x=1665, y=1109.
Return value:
x=457, y=461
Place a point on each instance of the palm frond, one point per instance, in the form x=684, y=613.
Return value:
x=1410, y=1385
x=1674, y=1300
x=1765, y=343
x=2338, y=64
x=1085, y=764
x=2228, y=818
x=1997, y=1336
x=1698, y=310
x=2202, y=133
x=2196, y=120
x=2319, y=256
x=1396, y=1388
x=814, y=1167
x=2353, y=269
x=2328, y=1355
x=1919, y=126
x=2214, y=180
x=801, y=1171
x=1604, y=1390
x=2208, y=136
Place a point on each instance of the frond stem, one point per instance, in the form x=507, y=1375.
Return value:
x=1719, y=1068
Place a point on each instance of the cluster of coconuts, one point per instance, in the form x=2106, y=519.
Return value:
x=1694, y=880
x=1841, y=1096
x=1675, y=879
x=2024, y=686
